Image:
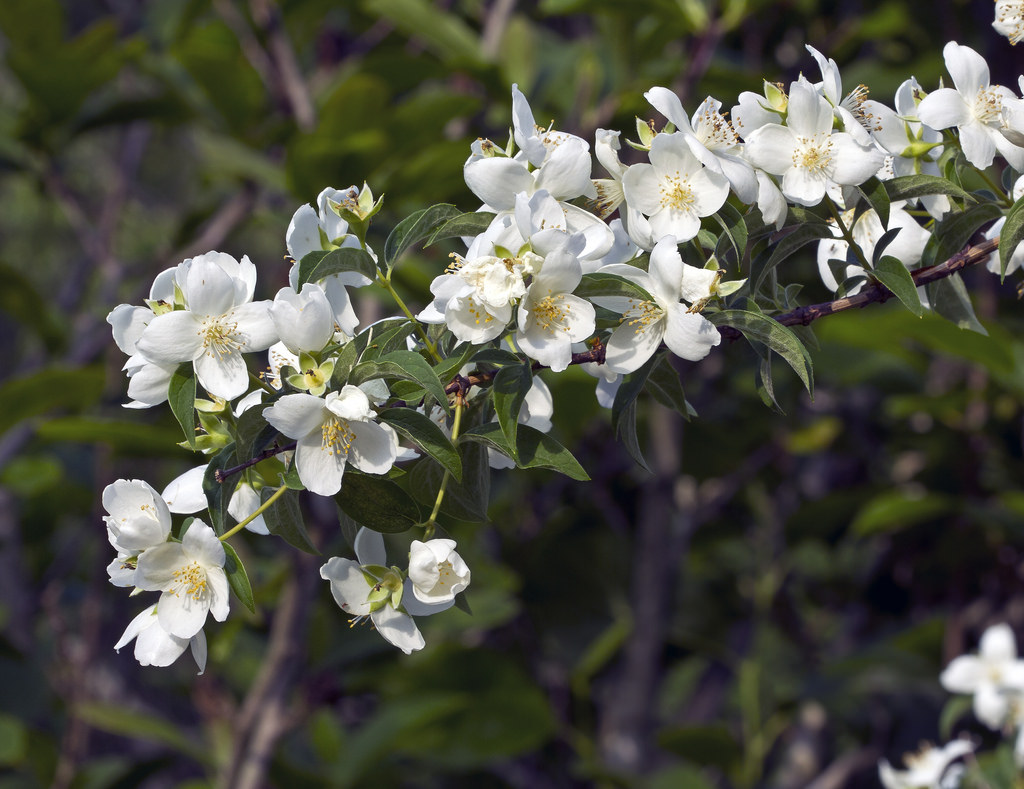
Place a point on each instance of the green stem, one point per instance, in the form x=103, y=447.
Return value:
x=262, y=384
x=1003, y=197
x=847, y=234
x=432, y=520
x=262, y=508
x=385, y=282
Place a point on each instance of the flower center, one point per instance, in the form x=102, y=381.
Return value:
x=714, y=130
x=190, y=580
x=676, y=193
x=988, y=106
x=220, y=336
x=642, y=314
x=1011, y=15
x=812, y=154
x=336, y=437
x=549, y=313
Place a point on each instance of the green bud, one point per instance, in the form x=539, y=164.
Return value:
x=776, y=96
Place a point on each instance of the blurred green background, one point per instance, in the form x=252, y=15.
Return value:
x=771, y=606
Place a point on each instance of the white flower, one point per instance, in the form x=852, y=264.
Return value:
x=975, y=107
x=991, y=675
x=1016, y=260
x=850, y=109
x=646, y=323
x=1009, y=19
x=331, y=432
x=138, y=519
x=154, y=646
x=806, y=153
x=711, y=138
x=353, y=582
x=191, y=576
x=304, y=321
x=437, y=572
x=551, y=319
x=926, y=768
x=219, y=324
x=674, y=191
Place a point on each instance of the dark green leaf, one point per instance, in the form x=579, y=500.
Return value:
x=495, y=356
x=471, y=224
x=895, y=276
x=426, y=434
x=790, y=243
x=735, y=231
x=218, y=494
x=534, y=449
x=953, y=233
x=405, y=365
x=252, y=433
x=237, y=578
x=906, y=187
x=466, y=500
x=387, y=339
x=624, y=411
x=949, y=298
x=377, y=503
x=598, y=285
x=874, y=192
x=664, y=385
x=1011, y=235
x=416, y=227
x=767, y=331
x=284, y=519
x=181, y=397
x=510, y=387
x=319, y=265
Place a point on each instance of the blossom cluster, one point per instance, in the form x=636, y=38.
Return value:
x=559, y=268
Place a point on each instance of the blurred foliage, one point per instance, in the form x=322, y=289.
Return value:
x=777, y=596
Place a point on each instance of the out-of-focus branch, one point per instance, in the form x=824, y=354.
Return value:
x=268, y=16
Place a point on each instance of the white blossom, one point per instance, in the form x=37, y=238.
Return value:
x=154, y=646
x=929, y=768
x=991, y=675
x=437, y=572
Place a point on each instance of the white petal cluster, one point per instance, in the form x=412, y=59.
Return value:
x=929, y=768
x=995, y=676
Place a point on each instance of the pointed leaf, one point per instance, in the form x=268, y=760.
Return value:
x=181, y=397
x=284, y=520
x=218, y=494
x=600, y=284
x=463, y=225
x=406, y=365
x=426, y=434
x=906, y=187
x=377, y=503
x=416, y=227
x=318, y=265
x=734, y=231
x=877, y=197
x=534, y=450
x=466, y=500
x=949, y=298
x=237, y=578
x=664, y=385
x=895, y=276
x=767, y=331
x=1011, y=235
x=509, y=389
x=953, y=233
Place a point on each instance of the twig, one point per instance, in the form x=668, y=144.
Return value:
x=222, y=474
x=803, y=316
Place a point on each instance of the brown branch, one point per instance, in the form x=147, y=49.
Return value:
x=803, y=316
x=222, y=474
x=462, y=383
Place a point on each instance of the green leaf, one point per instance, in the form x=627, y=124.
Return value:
x=377, y=503
x=352, y=351
x=877, y=197
x=218, y=494
x=598, y=285
x=447, y=369
x=1011, y=235
x=894, y=510
x=253, y=433
x=416, y=227
x=624, y=411
x=114, y=718
x=495, y=356
x=906, y=187
x=735, y=231
x=318, y=265
x=469, y=224
x=426, y=434
x=119, y=434
x=387, y=339
x=534, y=449
x=405, y=365
x=466, y=500
x=450, y=38
x=953, y=233
x=237, y=578
x=949, y=298
x=793, y=240
x=510, y=387
x=710, y=744
x=664, y=385
x=896, y=277
x=284, y=519
x=181, y=397
x=37, y=393
x=767, y=331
